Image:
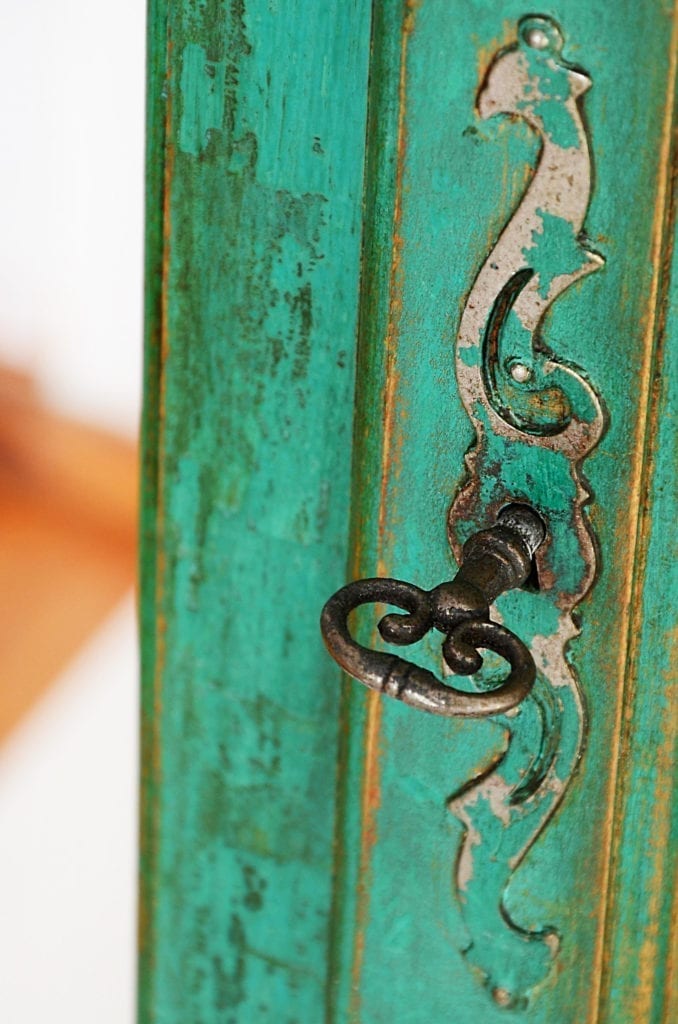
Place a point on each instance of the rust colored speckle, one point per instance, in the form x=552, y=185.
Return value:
x=371, y=795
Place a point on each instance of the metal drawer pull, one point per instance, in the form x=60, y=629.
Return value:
x=493, y=561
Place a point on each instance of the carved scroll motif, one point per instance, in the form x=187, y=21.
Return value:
x=536, y=417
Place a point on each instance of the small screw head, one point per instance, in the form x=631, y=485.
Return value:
x=521, y=373
x=541, y=33
x=537, y=39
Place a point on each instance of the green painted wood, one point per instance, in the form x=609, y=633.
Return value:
x=640, y=983
x=298, y=853
x=456, y=183
x=256, y=150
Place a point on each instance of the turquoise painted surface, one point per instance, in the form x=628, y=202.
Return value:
x=257, y=125
x=532, y=436
x=298, y=853
x=458, y=181
x=640, y=984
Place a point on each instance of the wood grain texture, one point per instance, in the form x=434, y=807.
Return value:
x=640, y=979
x=256, y=150
x=455, y=182
x=257, y=115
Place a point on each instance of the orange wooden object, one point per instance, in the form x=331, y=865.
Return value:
x=67, y=539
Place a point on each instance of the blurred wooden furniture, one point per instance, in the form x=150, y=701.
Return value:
x=67, y=539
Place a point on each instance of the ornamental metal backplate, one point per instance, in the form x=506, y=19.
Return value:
x=536, y=417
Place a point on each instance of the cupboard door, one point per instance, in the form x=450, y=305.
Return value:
x=416, y=942
x=325, y=184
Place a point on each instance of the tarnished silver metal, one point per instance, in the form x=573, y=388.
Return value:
x=546, y=401
x=493, y=561
x=536, y=417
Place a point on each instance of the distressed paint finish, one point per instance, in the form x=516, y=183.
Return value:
x=257, y=125
x=441, y=184
x=641, y=968
x=252, y=753
x=536, y=428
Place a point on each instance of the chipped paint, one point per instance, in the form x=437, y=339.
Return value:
x=547, y=415
x=614, y=987
x=451, y=204
x=461, y=182
x=259, y=248
x=495, y=792
x=370, y=797
x=202, y=90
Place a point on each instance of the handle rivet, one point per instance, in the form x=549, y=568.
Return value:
x=537, y=39
x=521, y=373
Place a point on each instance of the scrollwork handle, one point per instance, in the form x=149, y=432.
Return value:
x=493, y=561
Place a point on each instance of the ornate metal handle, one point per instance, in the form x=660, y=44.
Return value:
x=493, y=561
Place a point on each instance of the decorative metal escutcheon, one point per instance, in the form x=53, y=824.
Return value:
x=517, y=517
x=494, y=561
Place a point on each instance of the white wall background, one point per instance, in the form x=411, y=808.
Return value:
x=67, y=843
x=71, y=188
x=71, y=195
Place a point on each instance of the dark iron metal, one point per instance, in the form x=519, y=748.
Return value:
x=493, y=561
